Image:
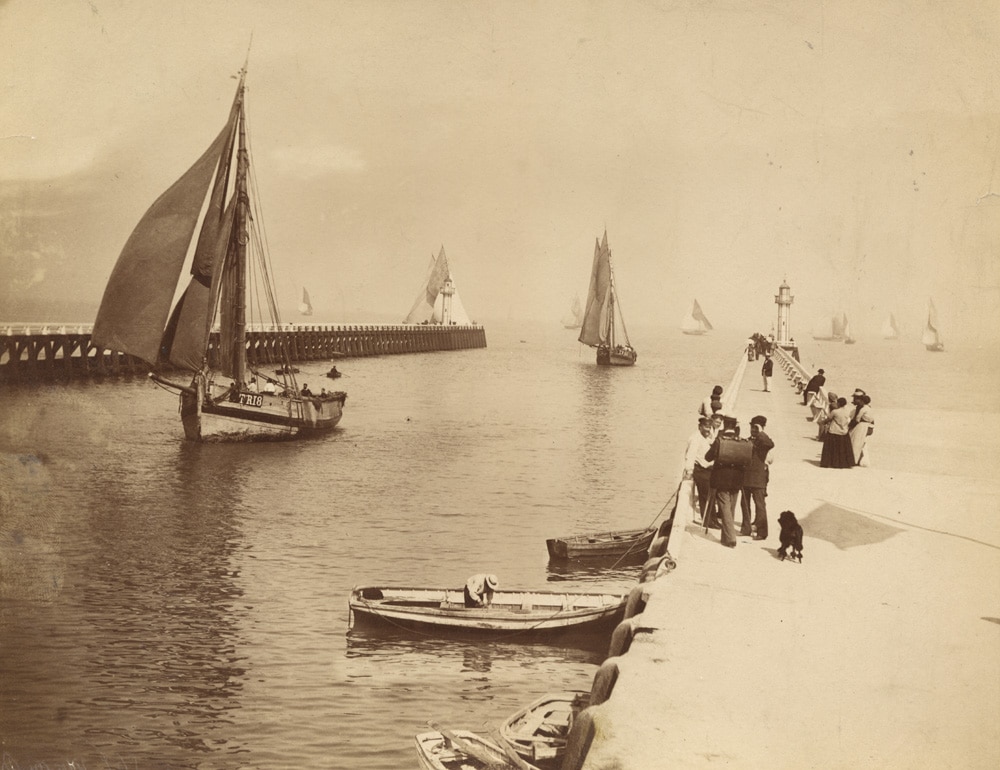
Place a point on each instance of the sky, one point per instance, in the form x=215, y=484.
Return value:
x=849, y=148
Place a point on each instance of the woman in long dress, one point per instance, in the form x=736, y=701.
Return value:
x=837, y=451
x=862, y=426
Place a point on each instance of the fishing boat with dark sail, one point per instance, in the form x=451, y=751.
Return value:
x=695, y=322
x=932, y=336
x=228, y=396
x=603, y=325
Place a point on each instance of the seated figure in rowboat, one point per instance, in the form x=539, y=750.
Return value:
x=479, y=590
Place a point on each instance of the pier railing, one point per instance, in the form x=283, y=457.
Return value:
x=39, y=352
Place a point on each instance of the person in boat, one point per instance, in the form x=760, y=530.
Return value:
x=252, y=385
x=333, y=373
x=269, y=387
x=305, y=390
x=234, y=392
x=479, y=590
x=817, y=381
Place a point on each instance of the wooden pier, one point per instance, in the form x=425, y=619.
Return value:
x=52, y=352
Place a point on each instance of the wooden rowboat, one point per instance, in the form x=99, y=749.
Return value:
x=524, y=615
x=459, y=750
x=602, y=544
x=538, y=731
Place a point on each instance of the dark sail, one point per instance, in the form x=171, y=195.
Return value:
x=137, y=299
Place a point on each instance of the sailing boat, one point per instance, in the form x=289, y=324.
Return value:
x=438, y=301
x=575, y=318
x=223, y=398
x=305, y=306
x=848, y=339
x=695, y=322
x=931, y=337
x=889, y=329
x=832, y=330
x=603, y=326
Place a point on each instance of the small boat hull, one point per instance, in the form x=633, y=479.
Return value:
x=618, y=356
x=435, y=752
x=937, y=347
x=601, y=544
x=523, y=615
x=538, y=732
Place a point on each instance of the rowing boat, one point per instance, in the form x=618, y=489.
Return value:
x=602, y=544
x=527, y=615
x=459, y=750
x=538, y=732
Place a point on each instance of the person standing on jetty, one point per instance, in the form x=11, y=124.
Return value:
x=812, y=387
x=696, y=467
x=837, y=452
x=712, y=404
x=755, y=478
x=727, y=479
x=767, y=370
x=862, y=425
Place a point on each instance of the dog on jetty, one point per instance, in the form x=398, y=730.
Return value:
x=790, y=537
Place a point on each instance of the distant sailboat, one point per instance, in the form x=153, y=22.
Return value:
x=305, y=306
x=848, y=339
x=932, y=337
x=889, y=329
x=223, y=398
x=832, y=329
x=603, y=325
x=695, y=322
x=438, y=302
x=575, y=318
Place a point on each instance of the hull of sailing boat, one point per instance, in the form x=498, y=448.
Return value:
x=937, y=347
x=258, y=415
x=693, y=331
x=616, y=357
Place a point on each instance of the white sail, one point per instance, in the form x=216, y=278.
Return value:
x=438, y=301
x=574, y=320
x=305, y=306
x=932, y=336
x=695, y=322
x=889, y=329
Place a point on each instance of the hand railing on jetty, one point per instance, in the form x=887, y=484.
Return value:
x=40, y=352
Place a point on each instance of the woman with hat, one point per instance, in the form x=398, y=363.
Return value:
x=479, y=590
x=836, y=443
x=862, y=424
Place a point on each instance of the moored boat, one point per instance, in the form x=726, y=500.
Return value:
x=538, y=732
x=603, y=324
x=525, y=615
x=459, y=750
x=229, y=261
x=601, y=544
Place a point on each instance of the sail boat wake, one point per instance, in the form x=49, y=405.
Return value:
x=603, y=325
x=224, y=398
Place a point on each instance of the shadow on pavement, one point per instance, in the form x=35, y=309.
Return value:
x=844, y=528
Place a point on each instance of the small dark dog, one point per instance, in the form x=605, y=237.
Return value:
x=791, y=536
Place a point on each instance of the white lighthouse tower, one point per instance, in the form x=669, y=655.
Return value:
x=783, y=299
x=447, y=292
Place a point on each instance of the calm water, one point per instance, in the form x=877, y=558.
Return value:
x=168, y=605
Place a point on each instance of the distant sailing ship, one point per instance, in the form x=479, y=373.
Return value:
x=603, y=325
x=932, y=337
x=889, y=329
x=848, y=339
x=438, y=301
x=575, y=318
x=832, y=330
x=695, y=322
x=227, y=396
x=305, y=306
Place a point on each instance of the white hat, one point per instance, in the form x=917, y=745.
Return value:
x=492, y=582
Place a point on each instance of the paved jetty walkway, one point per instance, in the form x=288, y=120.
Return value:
x=880, y=650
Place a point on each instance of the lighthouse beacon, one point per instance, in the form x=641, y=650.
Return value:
x=783, y=299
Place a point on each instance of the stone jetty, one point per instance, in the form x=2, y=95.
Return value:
x=881, y=649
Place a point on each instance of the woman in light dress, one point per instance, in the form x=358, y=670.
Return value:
x=861, y=427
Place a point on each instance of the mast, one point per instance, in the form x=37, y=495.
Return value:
x=239, y=307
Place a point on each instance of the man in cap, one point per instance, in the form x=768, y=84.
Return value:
x=726, y=480
x=696, y=467
x=766, y=370
x=817, y=381
x=755, y=478
x=479, y=590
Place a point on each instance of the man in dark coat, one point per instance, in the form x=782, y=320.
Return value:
x=727, y=480
x=767, y=369
x=755, y=478
x=812, y=387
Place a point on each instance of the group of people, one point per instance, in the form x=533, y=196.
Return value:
x=723, y=471
x=843, y=427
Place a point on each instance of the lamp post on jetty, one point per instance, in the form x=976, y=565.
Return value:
x=783, y=299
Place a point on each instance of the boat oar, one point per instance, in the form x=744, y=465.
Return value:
x=463, y=745
x=511, y=753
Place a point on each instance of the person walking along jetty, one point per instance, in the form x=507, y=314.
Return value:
x=837, y=452
x=766, y=371
x=755, y=479
x=727, y=480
